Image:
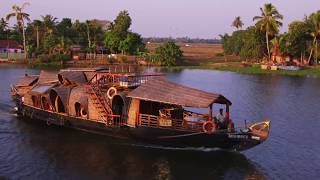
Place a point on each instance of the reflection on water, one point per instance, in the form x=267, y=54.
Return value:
x=36, y=151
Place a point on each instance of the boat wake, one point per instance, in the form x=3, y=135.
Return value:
x=8, y=113
x=199, y=149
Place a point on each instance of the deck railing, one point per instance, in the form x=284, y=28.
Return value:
x=151, y=121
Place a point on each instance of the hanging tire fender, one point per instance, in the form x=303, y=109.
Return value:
x=109, y=92
x=83, y=113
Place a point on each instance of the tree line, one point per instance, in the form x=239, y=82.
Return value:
x=50, y=36
x=181, y=40
x=264, y=40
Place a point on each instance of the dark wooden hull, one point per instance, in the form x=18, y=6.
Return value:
x=236, y=141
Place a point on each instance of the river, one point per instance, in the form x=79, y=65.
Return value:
x=37, y=151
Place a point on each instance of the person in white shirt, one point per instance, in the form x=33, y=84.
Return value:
x=220, y=116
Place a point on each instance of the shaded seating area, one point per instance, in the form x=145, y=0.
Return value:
x=163, y=99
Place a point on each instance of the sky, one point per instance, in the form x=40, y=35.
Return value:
x=168, y=18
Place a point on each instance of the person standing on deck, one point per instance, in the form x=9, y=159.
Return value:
x=221, y=118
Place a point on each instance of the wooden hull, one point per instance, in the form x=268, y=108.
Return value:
x=236, y=141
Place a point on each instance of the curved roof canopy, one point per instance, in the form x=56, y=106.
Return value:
x=161, y=90
x=77, y=77
x=46, y=77
x=27, y=81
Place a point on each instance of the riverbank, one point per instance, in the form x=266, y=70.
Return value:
x=232, y=66
x=238, y=67
x=195, y=56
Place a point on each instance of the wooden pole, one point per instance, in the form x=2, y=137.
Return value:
x=210, y=112
x=227, y=112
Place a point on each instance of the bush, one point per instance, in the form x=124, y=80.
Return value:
x=110, y=60
x=45, y=58
x=168, y=54
x=248, y=44
x=219, y=54
x=123, y=59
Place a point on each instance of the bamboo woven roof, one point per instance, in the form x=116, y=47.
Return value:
x=27, y=81
x=164, y=91
x=63, y=92
x=46, y=77
x=41, y=88
x=73, y=76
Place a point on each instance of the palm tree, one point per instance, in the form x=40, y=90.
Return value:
x=275, y=42
x=268, y=22
x=4, y=27
x=3, y=24
x=21, y=17
x=37, y=24
x=63, y=45
x=49, y=23
x=88, y=28
x=237, y=23
x=314, y=24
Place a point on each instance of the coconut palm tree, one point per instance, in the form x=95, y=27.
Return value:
x=237, y=23
x=49, y=23
x=314, y=24
x=37, y=24
x=4, y=27
x=88, y=28
x=20, y=17
x=269, y=22
x=3, y=24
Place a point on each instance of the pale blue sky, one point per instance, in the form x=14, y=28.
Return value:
x=163, y=18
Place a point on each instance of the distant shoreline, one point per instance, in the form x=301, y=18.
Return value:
x=236, y=67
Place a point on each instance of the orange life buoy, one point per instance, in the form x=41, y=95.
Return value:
x=209, y=127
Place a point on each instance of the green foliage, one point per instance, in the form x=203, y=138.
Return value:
x=120, y=39
x=111, y=60
x=45, y=58
x=112, y=41
x=168, y=54
x=132, y=44
x=248, y=44
x=219, y=54
x=237, y=23
x=269, y=22
x=48, y=43
x=123, y=59
x=122, y=24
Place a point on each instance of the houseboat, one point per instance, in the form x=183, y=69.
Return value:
x=144, y=107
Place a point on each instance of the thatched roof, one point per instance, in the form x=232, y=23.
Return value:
x=63, y=92
x=27, y=81
x=77, y=77
x=89, y=75
x=78, y=94
x=41, y=88
x=161, y=90
x=46, y=77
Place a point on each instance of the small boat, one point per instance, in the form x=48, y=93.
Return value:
x=144, y=107
x=290, y=68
